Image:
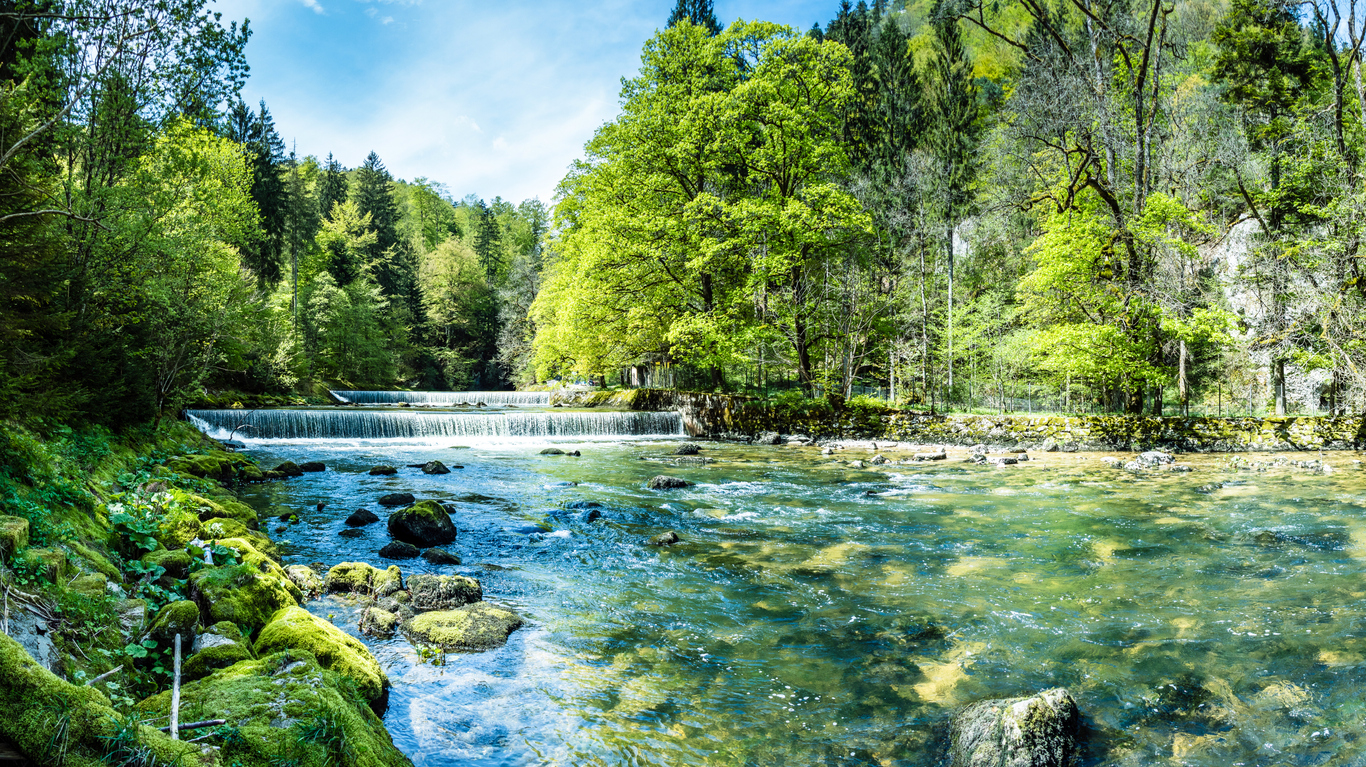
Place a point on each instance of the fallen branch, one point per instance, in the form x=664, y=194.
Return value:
x=175, y=692
x=197, y=725
x=105, y=675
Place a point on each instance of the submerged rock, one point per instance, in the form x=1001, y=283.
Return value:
x=351, y=532
x=475, y=627
x=435, y=467
x=552, y=451
x=423, y=524
x=443, y=592
x=1111, y=461
x=1037, y=731
x=361, y=518
x=665, y=482
x=687, y=448
x=665, y=539
x=396, y=499
x=382, y=471
x=378, y=623
x=312, y=466
x=289, y=469
x=440, y=557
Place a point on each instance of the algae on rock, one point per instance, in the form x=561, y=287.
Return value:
x=474, y=627
x=298, y=629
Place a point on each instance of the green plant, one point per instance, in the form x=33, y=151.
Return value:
x=124, y=748
x=326, y=731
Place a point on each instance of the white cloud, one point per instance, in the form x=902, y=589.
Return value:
x=313, y=4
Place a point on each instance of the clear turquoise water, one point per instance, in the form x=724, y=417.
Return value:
x=819, y=614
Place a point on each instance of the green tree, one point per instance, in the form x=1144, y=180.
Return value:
x=699, y=12
x=256, y=131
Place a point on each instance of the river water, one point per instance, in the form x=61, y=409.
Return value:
x=816, y=613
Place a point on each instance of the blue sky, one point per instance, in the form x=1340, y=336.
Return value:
x=490, y=97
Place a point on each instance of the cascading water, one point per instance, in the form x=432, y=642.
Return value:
x=445, y=397
x=367, y=424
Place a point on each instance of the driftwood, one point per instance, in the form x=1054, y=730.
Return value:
x=175, y=693
x=197, y=725
x=105, y=675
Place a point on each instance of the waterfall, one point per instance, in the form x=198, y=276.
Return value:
x=370, y=424
x=445, y=397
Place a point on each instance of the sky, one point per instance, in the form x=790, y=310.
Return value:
x=487, y=97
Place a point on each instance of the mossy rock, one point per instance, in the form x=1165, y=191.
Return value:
x=52, y=563
x=443, y=592
x=224, y=508
x=272, y=700
x=473, y=628
x=216, y=465
x=247, y=593
x=308, y=581
x=97, y=561
x=219, y=646
x=175, y=618
x=178, y=527
x=424, y=524
x=361, y=578
x=176, y=562
x=32, y=699
x=92, y=585
x=336, y=650
x=13, y=536
x=221, y=529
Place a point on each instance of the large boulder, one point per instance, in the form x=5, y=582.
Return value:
x=175, y=618
x=475, y=627
x=399, y=550
x=361, y=578
x=442, y=592
x=295, y=628
x=361, y=518
x=1036, y=731
x=424, y=524
x=396, y=499
x=435, y=467
x=247, y=593
x=219, y=646
x=382, y=471
x=271, y=701
x=665, y=482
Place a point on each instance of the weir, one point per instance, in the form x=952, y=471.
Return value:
x=444, y=397
x=362, y=424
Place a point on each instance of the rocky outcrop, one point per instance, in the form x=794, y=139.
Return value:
x=1036, y=731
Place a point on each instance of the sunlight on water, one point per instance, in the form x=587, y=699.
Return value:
x=819, y=614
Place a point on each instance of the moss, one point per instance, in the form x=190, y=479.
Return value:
x=13, y=536
x=225, y=508
x=308, y=581
x=277, y=703
x=476, y=627
x=218, y=465
x=361, y=578
x=247, y=593
x=222, y=529
x=92, y=585
x=337, y=651
x=178, y=527
x=35, y=704
x=176, y=562
x=175, y=618
x=97, y=561
x=52, y=563
x=211, y=659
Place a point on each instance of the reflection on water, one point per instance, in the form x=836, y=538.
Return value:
x=818, y=614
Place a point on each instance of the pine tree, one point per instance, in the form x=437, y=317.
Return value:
x=256, y=132
x=699, y=12
x=302, y=223
x=332, y=186
x=488, y=242
x=375, y=199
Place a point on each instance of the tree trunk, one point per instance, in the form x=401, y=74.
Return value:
x=950, y=356
x=1278, y=381
x=1181, y=389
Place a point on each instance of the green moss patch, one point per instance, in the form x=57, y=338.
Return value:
x=474, y=628
x=336, y=650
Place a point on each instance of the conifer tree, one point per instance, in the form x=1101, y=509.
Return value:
x=256, y=132
x=488, y=242
x=332, y=185
x=699, y=12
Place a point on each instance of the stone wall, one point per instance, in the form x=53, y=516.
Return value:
x=725, y=416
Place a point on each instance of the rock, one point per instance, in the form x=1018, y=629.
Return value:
x=1152, y=459
x=443, y=592
x=857, y=465
x=175, y=618
x=552, y=451
x=361, y=518
x=580, y=505
x=399, y=550
x=939, y=456
x=225, y=508
x=382, y=471
x=435, y=467
x=687, y=448
x=350, y=532
x=664, y=482
x=1001, y=460
x=361, y=578
x=247, y=593
x=1038, y=731
x=769, y=438
x=176, y=562
x=440, y=557
x=308, y=581
x=295, y=628
x=234, y=444
x=1180, y=468
x=1210, y=488
x=878, y=460
x=132, y=616
x=378, y=623
x=1111, y=461
x=13, y=536
x=289, y=469
x=312, y=466
x=474, y=627
x=665, y=539
x=51, y=563
x=1049, y=446
x=396, y=499
x=423, y=524
x=590, y=515
x=93, y=585
x=218, y=647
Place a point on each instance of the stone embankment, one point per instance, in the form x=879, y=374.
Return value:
x=721, y=416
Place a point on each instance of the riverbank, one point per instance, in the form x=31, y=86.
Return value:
x=731, y=417
x=111, y=549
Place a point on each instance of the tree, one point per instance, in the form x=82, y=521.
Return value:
x=332, y=186
x=699, y=12
x=256, y=132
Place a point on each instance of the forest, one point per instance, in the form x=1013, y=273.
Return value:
x=1128, y=206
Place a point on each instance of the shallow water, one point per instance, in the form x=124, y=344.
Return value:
x=819, y=614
